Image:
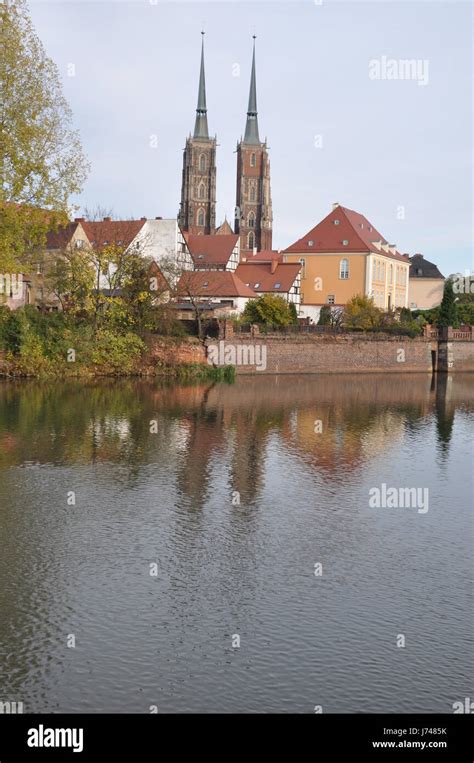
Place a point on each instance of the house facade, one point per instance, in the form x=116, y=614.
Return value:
x=426, y=284
x=344, y=255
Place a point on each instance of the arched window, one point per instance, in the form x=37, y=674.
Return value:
x=251, y=240
x=202, y=163
x=251, y=220
x=252, y=193
x=201, y=217
x=344, y=269
x=253, y=160
x=202, y=191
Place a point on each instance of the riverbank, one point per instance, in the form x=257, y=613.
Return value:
x=188, y=358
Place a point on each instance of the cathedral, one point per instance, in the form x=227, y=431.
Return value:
x=253, y=203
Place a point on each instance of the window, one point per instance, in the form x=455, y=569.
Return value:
x=345, y=242
x=277, y=285
x=137, y=245
x=302, y=262
x=39, y=268
x=205, y=284
x=257, y=285
x=253, y=160
x=336, y=222
x=419, y=271
x=251, y=240
x=201, y=217
x=310, y=242
x=252, y=193
x=251, y=220
x=344, y=269
x=80, y=244
x=331, y=299
x=390, y=274
x=202, y=163
x=201, y=191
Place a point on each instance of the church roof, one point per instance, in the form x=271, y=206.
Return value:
x=344, y=230
x=251, y=128
x=200, y=127
x=224, y=229
x=212, y=249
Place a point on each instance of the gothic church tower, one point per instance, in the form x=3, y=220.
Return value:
x=253, y=210
x=197, y=213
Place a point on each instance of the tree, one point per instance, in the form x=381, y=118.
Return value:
x=71, y=279
x=270, y=309
x=360, y=312
x=448, y=313
x=41, y=158
x=325, y=316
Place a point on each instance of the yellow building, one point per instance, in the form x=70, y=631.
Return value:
x=426, y=284
x=345, y=255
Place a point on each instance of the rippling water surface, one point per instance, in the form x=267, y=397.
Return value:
x=241, y=491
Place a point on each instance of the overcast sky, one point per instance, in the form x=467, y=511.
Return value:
x=387, y=147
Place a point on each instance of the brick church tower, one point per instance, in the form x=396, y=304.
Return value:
x=197, y=213
x=253, y=210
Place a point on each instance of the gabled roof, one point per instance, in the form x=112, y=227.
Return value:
x=224, y=229
x=340, y=225
x=421, y=268
x=259, y=276
x=212, y=250
x=120, y=232
x=62, y=237
x=212, y=283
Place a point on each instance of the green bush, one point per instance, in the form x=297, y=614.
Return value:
x=115, y=354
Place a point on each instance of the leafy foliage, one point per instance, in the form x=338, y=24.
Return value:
x=448, y=313
x=268, y=310
x=42, y=160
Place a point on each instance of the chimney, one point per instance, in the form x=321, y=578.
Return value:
x=335, y=205
x=273, y=266
x=107, y=219
x=418, y=254
x=79, y=219
x=142, y=218
x=158, y=218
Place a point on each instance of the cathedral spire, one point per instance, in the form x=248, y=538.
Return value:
x=251, y=127
x=200, y=128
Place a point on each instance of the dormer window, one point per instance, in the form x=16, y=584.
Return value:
x=345, y=242
x=419, y=272
x=310, y=242
x=336, y=222
x=205, y=284
x=277, y=285
x=257, y=285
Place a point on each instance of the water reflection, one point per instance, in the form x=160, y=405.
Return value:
x=236, y=493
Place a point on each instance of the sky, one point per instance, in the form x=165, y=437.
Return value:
x=341, y=122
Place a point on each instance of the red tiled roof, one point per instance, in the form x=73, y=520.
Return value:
x=220, y=283
x=254, y=273
x=327, y=236
x=224, y=229
x=212, y=250
x=102, y=232
x=62, y=237
x=266, y=255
